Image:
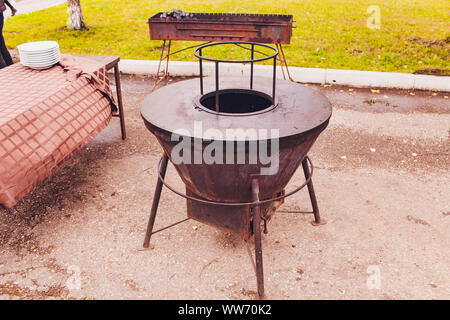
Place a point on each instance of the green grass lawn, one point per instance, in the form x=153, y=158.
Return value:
x=414, y=34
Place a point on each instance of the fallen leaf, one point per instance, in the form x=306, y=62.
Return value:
x=373, y=149
x=195, y=227
x=434, y=94
x=350, y=90
x=412, y=94
x=207, y=265
x=375, y=90
x=414, y=154
x=344, y=157
x=386, y=96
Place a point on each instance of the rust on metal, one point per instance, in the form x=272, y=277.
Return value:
x=236, y=219
x=258, y=246
x=261, y=28
x=232, y=192
x=299, y=114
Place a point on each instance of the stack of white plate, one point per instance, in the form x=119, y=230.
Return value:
x=39, y=55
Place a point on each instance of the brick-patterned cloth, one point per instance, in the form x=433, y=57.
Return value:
x=45, y=116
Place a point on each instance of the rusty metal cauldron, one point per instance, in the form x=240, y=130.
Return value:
x=237, y=191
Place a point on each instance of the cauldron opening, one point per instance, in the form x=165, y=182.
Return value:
x=237, y=101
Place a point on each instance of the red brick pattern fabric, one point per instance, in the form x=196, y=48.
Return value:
x=45, y=116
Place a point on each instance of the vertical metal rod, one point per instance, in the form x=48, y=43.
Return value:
x=217, y=86
x=168, y=57
x=201, y=71
x=281, y=60
x=258, y=246
x=274, y=78
x=251, y=66
x=312, y=194
x=160, y=58
x=119, y=100
x=285, y=64
x=158, y=77
x=157, y=195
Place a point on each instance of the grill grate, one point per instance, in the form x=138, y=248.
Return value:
x=260, y=28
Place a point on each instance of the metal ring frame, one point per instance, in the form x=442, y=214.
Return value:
x=253, y=203
x=198, y=54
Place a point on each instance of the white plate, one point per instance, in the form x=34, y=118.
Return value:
x=43, y=58
x=49, y=54
x=39, y=51
x=43, y=54
x=42, y=68
x=38, y=46
x=40, y=59
x=40, y=63
x=37, y=54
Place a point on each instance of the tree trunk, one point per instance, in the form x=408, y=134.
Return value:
x=76, y=20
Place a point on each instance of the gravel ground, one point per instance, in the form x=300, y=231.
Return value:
x=382, y=184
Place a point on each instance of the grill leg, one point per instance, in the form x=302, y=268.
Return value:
x=258, y=247
x=281, y=60
x=317, y=221
x=158, y=189
x=158, y=77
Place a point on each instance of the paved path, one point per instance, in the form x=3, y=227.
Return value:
x=28, y=6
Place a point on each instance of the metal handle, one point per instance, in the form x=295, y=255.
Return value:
x=198, y=54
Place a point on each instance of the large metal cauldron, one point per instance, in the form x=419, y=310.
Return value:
x=299, y=114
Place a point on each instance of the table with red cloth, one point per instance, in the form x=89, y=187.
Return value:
x=45, y=116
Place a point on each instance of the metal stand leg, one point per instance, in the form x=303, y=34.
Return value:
x=317, y=221
x=151, y=220
x=161, y=57
x=283, y=62
x=258, y=247
x=167, y=58
x=119, y=101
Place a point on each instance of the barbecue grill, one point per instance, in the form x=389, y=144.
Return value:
x=219, y=27
x=260, y=28
x=234, y=195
